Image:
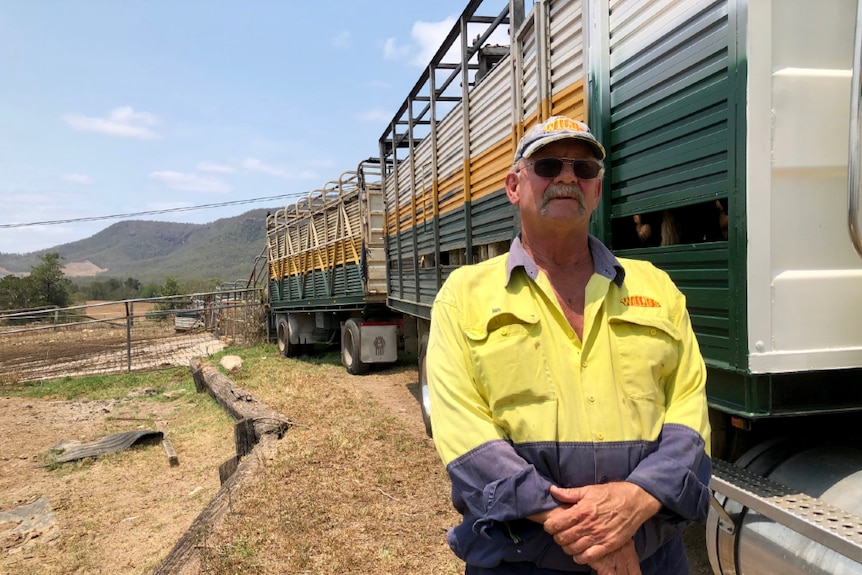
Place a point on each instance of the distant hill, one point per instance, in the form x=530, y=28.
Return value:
x=151, y=251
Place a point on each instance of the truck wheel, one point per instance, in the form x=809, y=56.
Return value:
x=423, y=385
x=284, y=346
x=350, y=350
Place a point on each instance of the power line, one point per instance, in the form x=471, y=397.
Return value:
x=150, y=213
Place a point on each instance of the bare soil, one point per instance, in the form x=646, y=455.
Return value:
x=116, y=514
x=103, y=344
x=82, y=269
x=122, y=513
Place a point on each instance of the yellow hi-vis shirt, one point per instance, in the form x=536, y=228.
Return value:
x=519, y=402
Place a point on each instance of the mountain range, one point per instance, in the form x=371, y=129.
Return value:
x=150, y=251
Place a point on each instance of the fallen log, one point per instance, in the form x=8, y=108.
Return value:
x=254, y=419
x=239, y=403
x=181, y=558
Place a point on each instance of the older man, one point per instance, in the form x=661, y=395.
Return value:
x=567, y=388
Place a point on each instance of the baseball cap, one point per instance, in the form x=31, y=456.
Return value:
x=554, y=129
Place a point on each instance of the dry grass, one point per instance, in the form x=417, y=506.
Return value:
x=352, y=488
x=122, y=512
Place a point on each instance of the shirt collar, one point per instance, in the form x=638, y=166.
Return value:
x=604, y=261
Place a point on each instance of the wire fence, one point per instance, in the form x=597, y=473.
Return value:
x=129, y=335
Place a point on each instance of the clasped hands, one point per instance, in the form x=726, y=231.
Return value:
x=595, y=524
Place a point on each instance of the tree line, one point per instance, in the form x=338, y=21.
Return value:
x=47, y=285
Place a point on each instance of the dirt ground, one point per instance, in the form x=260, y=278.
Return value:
x=102, y=344
x=119, y=513
x=122, y=513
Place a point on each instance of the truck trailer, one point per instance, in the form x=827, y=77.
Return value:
x=327, y=272
x=732, y=135
x=732, y=131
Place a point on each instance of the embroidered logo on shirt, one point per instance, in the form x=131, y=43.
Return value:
x=639, y=301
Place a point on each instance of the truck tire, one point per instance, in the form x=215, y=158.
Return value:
x=350, y=349
x=425, y=400
x=284, y=346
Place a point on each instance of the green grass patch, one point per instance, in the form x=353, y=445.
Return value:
x=105, y=386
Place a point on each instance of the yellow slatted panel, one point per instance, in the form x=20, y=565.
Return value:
x=489, y=169
x=531, y=120
x=570, y=102
x=448, y=199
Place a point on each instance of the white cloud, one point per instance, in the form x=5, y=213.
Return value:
x=213, y=167
x=123, y=122
x=191, y=182
x=342, y=40
x=392, y=51
x=77, y=178
x=255, y=165
x=428, y=37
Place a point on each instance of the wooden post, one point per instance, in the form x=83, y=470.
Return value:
x=171, y=452
x=227, y=469
x=244, y=436
x=198, y=375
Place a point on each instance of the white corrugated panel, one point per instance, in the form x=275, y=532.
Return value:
x=422, y=158
x=404, y=183
x=389, y=191
x=375, y=259
x=635, y=24
x=402, y=175
x=450, y=140
x=529, y=66
x=491, y=108
x=567, y=44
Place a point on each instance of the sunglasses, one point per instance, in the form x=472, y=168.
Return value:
x=551, y=167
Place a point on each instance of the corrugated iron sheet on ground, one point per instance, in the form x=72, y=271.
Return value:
x=66, y=451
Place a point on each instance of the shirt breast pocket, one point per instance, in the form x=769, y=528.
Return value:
x=646, y=350
x=512, y=369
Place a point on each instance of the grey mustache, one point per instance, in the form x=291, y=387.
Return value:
x=562, y=191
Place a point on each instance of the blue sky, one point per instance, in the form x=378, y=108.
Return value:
x=125, y=107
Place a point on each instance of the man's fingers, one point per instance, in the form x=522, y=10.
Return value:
x=590, y=554
x=623, y=561
x=577, y=547
x=571, y=495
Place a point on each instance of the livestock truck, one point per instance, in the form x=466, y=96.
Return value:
x=327, y=272
x=732, y=134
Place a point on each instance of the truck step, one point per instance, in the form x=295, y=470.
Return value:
x=819, y=521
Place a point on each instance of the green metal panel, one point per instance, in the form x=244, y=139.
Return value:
x=666, y=111
x=453, y=235
x=412, y=286
x=410, y=308
x=493, y=218
x=760, y=396
x=700, y=271
x=342, y=283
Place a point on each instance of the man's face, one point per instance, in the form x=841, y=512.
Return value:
x=563, y=199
